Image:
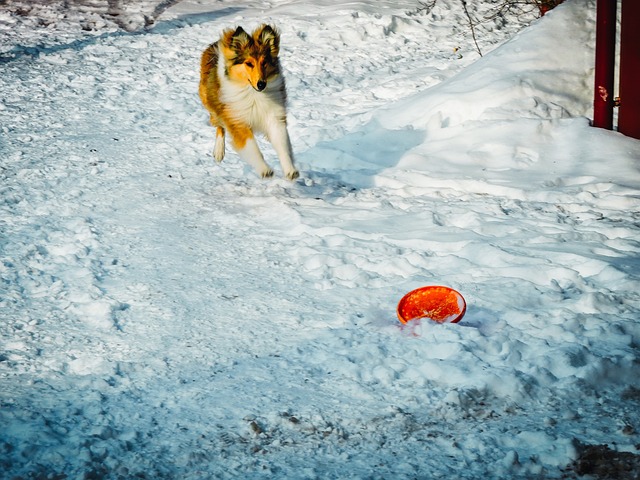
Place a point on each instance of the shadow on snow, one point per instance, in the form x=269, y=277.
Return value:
x=161, y=28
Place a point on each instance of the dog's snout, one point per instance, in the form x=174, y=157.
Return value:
x=261, y=85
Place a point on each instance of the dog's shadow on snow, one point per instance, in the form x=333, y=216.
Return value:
x=353, y=161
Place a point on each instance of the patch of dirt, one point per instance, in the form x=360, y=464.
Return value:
x=602, y=463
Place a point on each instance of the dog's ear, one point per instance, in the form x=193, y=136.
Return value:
x=269, y=37
x=236, y=40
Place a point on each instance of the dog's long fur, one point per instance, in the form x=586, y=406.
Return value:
x=242, y=87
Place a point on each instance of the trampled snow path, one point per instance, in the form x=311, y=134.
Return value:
x=165, y=317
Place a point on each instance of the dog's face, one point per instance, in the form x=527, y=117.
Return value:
x=251, y=59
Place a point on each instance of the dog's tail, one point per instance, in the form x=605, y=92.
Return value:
x=208, y=66
x=208, y=61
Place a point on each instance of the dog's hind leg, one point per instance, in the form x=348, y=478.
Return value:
x=218, y=148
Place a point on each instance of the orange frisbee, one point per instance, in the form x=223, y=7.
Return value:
x=440, y=304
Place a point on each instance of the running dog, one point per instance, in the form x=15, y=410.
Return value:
x=242, y=87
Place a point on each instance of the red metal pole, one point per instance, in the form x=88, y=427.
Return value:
x=629, y=114
x=605, y=63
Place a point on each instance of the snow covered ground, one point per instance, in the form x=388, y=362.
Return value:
x=166, y=317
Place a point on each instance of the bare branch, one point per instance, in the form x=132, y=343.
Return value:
x=471, y=25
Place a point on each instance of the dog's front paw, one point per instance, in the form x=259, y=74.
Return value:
x=266, y=173
x=292, y=175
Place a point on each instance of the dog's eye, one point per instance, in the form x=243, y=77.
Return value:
x=249, y=64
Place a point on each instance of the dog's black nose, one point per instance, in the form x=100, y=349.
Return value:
x=261, y=85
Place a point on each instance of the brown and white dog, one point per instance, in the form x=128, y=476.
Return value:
x=242, y=87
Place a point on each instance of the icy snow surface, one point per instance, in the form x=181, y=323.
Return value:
x=166, y=317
